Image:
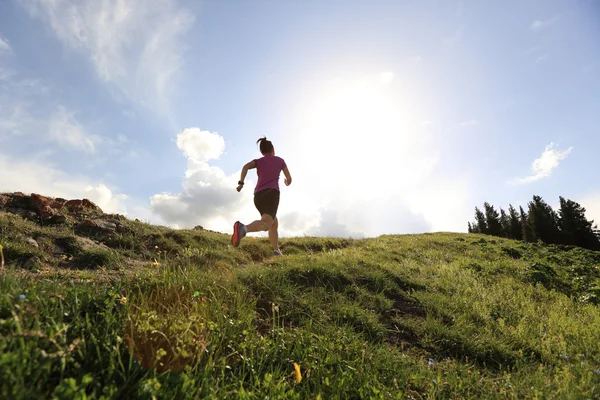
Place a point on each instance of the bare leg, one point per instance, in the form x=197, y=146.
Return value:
x=260, y=225
x=274, y=235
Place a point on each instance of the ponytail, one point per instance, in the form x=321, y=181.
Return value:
x=265, y=145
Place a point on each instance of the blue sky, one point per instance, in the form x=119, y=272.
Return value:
x=393, y=116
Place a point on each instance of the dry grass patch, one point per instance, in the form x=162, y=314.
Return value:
x=167, y=328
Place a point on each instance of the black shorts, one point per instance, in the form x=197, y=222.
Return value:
x=267, y=202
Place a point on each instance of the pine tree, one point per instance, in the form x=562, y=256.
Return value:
x=505, y=223
x=474, y=227
x=574, y=226
x=568, y=221
x=480, y=226
x=543, y=221
x=526, y=232
x=515, y=229
x=492, y=218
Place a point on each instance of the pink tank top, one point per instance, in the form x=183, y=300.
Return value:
x=268, y=169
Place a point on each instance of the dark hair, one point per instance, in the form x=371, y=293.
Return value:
x=266, y=146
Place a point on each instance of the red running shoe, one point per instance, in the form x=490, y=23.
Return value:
x=237, y=234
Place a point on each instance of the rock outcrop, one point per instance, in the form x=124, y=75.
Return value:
x=47, y=210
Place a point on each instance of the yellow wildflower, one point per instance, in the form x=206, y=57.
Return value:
x=298, y=373
x=123, y=300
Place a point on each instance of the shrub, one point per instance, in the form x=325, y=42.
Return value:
x=95, y=258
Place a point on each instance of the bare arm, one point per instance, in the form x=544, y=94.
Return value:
x=288, y=177
x=245, y=168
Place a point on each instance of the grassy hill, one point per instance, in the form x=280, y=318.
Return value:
x=122, y=309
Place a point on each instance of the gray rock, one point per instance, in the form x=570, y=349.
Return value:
x=88, y=244
x=100, y=224
x=32, y=242
x=106, y=225
x=32, y=263
x=96, y=229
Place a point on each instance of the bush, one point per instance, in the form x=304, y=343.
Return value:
x=95, y=258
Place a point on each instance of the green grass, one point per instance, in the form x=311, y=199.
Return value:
x=181, y=314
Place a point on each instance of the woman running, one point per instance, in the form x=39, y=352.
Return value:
x=266, y=194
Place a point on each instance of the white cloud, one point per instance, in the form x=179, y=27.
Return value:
x=208, y=197
x=28, y=109
x=200, y=145
x=374, y=217
x=472, y=122
x=298, y=222
x=538, y=25
x=543, y=166
x=106, y=199
x=134, y=46
x=4, y=45
x=20, y=110
x=330, y=223
x=23, y=116
x=65, y=130
x=14, y=117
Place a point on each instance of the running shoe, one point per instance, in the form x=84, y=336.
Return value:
x=237, y=234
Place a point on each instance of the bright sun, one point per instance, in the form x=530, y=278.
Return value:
x=354, y=108
x=363, y=152
x=366, y=119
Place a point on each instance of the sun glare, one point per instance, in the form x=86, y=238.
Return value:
x=368, y=119
x=366, y=142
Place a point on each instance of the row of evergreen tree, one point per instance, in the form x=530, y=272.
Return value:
x=567, y=226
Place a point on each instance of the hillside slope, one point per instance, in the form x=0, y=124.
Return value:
x=115, y=308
